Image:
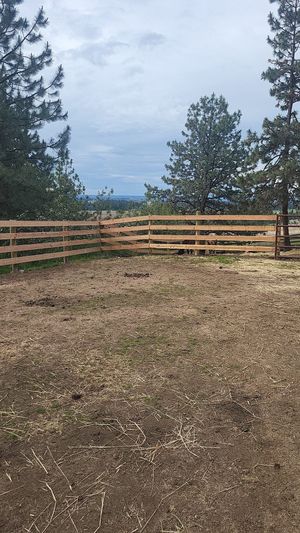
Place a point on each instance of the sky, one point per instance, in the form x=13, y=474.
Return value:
x=133, y=67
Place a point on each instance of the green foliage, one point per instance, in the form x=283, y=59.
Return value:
x=155, y=207
x=68, y=201
x=102, y=201
x=204, y=166
x=28, y=101
x=278, y=149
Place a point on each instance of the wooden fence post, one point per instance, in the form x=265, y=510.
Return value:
x=65, y=238
x=12, y=242
x=149, y=236
x=197, y=252
x=277, y=237
x=99, y=227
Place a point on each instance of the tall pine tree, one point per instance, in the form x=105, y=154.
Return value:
x=279, y=147
x=203, y=166
x=28, y=101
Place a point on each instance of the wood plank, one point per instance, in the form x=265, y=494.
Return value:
x=43, y=257
x=213, y=217
x=228, y=248
x=222, y=238
x=46, y=223
x=124, y=229
x=47, y=234
x=140, y=246
x=124, y=220
x=175, y=227
x=126, y=238
x=213, y=227
x=45, y=245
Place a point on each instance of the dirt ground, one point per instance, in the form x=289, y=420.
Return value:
x=150, y=394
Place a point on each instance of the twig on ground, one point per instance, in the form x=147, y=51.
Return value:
x=245, y=409
x=59, y=514
x=27, y=459
x=73, y=523
x=141, y=431
x=227, y=489
x=262, y=466
x=164, y=499
x=184, y=438
x=59, y=468
x=11, y=490
x=39, y=461
x=55, y=502
x=36, y=519
x=101, y=512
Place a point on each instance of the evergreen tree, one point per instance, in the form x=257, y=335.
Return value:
x=27, y=103
x=204, y=166
x=102, y=201
x=68, y=201
x=279, y=146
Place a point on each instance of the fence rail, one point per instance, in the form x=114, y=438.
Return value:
x=196, y=233
x=46, y=240
x=287, y=246
x=27, y=241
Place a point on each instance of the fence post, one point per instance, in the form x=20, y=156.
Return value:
x=12, y=242
x=65, y=238
x=277, y=237
x=99, y=227
x=149, y=235
x=197, y=252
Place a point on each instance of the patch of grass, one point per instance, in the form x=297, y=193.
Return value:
x=55, y=405
x=142, y=347
x=51, y=263
x=130, y=343
x=41, y=411
x=221, y=259
x=193, y=342
x=152, y=401
x=170, y=290
x=110, y=301
x=288, y=264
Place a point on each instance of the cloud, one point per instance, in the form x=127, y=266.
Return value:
x=133, y=67
x=151, y=39
x=96, y=53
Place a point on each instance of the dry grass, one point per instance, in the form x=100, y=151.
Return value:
x=150, y=394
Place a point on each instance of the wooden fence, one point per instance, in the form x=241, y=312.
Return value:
x=288, y=248
x=27, y=241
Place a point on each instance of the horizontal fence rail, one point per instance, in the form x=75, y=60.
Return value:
x=195, y=233
x=287, y=246
x=27, y=241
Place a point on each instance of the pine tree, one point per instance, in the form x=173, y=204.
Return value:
x=27, y=103
x=204, y=166
x=279, y=147
x=68, y=201
x=102, y=202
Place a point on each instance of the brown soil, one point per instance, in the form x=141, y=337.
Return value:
x=150, y=394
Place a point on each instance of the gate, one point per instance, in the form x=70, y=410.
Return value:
x=287, y=241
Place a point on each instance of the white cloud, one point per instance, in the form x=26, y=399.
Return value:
x=133, y=67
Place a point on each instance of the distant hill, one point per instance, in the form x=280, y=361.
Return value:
x=129, y=198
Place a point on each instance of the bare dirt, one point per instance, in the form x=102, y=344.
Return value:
x=150, y=394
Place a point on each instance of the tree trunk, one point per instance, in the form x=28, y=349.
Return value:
x=285, y=186
x=285, y=211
